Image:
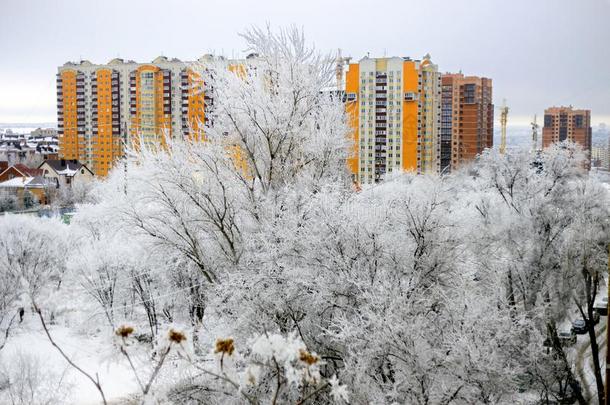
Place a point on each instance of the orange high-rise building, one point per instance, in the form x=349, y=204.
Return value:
x=467, y=116
x=101, y=108
x=393, y=106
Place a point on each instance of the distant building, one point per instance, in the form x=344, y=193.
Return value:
x=27, y=190
x=600, y=156
x=19, y=170
x=467, y=116
x=30, y=148
x=394, y=109
x=100, y=108
x=66, y=172
x=566, y=123
x=26, y=185
x=44, y=133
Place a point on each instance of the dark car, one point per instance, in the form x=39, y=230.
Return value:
x=579, y=326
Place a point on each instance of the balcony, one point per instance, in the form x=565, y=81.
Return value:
x=348, y=97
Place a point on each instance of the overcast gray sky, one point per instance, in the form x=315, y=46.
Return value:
x=538, y=52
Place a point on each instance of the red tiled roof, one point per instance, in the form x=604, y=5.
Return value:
x=28, y=171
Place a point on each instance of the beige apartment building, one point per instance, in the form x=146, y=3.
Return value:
x=394, y=106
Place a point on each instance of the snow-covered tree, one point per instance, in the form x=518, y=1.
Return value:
x=421, y=289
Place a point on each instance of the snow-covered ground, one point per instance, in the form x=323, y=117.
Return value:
x=88, y=352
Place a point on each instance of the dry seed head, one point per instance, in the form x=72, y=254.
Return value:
x=308, y=358
x=225, y=346
x=124, y=331
x=176, y=336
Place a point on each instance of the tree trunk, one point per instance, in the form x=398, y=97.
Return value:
x=511, y=293
x=595, y=355
x=591, y=286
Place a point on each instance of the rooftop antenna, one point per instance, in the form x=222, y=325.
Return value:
x=503, y=121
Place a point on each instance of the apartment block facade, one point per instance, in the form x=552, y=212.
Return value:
x=600, y=156
x=467, y=116
x=394, y=107
x=566, y=123
x=101, y=108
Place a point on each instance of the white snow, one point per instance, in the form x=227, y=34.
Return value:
x=16, y=182
x=67, y=171
x=88, y=352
